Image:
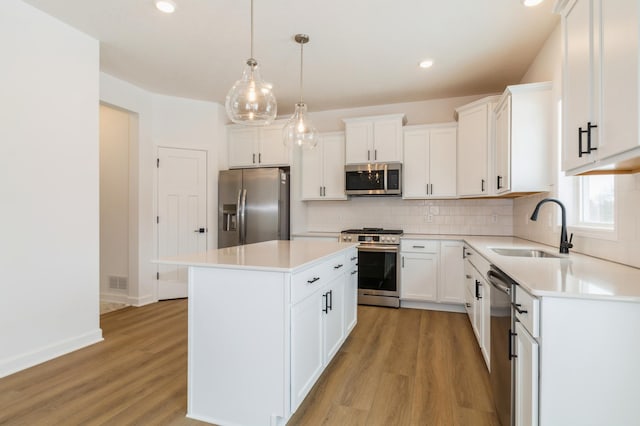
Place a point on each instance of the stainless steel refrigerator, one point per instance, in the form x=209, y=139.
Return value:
x=253, y=206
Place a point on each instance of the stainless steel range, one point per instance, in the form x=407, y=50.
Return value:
x=378, y=272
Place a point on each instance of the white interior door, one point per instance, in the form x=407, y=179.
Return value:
x=182, y=214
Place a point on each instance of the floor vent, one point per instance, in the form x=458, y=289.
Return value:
x=119, y=283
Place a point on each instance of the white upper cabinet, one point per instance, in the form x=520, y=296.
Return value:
x=522, y=161
x=323, y=169
x=429, y=165
x=257, y=146
x=374, y=139
x=600, y=85
x=475, y=127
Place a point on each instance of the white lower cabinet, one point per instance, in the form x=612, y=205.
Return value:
x=306, y=346
x=351, y=292
x=419, y=276
x=526, y=377
x=431, y=273
x=478, y=300
x=320, y=321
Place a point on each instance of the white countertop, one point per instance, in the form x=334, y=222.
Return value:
x=281, y=256
x=573, y=275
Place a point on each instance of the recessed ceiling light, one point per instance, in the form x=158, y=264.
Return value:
x=531, y=3
x=166, y=6
x=427, y=63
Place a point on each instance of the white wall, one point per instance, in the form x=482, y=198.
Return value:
x=170, y=122
x=114, y=201
x=623, y=247
x=49, y=260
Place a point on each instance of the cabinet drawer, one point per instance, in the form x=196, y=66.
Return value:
x=419, y=246
x=527, y=310
x=306, y=282
x=481, y=264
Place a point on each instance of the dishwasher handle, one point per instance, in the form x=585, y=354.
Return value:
x=500, y=281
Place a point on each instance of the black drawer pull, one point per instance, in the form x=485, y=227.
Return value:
x=338, y=266
x=418, y=246
x=354, y=272
x=311, y=281
x=354, y=258
x=516, y=306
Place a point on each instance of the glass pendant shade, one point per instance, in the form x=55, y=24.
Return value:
x=251, y=100
x=299, y=131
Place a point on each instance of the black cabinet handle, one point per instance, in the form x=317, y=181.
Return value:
x=499, y=182
x=354, y=258
x=516, y=306
x=326, y=303
x=478, y=284
x=313, y=280
x=511, y=336
x=354, y=272
x=482, y=186
x=260, y=158
x=338, y=266
x=331, y=300
x=254, y=159
x=468, y=305
x=588, y=132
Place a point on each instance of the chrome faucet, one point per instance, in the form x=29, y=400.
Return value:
x=565, y=244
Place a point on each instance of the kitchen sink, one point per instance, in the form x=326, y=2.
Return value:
x=523, y=252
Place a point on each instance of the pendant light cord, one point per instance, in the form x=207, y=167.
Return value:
x=301, y=64
x=252, y=29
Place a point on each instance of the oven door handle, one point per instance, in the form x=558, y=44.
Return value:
x=386, y=249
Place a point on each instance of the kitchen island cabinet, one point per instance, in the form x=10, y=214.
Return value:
x=264, y=321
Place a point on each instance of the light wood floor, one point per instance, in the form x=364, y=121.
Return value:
x=398, y=367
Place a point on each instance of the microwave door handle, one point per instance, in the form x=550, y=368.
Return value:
x=386, y=178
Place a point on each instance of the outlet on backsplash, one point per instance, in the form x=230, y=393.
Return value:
x=429, y=218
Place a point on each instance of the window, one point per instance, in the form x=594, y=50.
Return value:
x=596, y=201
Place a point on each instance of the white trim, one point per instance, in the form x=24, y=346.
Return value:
x=432, y=306
x=49, y=352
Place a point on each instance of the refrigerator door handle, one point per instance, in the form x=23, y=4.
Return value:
x=243, y=217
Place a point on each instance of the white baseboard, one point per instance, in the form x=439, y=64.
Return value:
x=446, y=307
x=126, y=299
x=49, y=352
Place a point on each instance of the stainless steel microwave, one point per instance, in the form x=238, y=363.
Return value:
x=373, y=179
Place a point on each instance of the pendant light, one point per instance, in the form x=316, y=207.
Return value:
x=299, y=131
x=251, y=100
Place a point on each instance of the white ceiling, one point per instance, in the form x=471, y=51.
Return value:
x=361, y=52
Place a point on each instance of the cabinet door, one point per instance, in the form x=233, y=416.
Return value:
x=243, y=143
x=451, y=283
x=485, y=332
x=359, y=142
x=311, y=172
x=415, y=167
x=470, y=299
x=502, y=180
x=578, y=104
x=472, y=151
x=419, y=276
x=333, y=167
x=351, y=299
x=272, y=151
x=387, y=140
x=618, y=56
x=526, y=372
x=333, y=304
x=442, y=163
x=306, y=346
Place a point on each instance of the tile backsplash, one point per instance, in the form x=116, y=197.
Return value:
x=452, y=217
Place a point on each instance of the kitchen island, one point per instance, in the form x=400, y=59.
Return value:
x=264, y=321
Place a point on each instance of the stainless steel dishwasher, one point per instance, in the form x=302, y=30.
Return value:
x=502, y=326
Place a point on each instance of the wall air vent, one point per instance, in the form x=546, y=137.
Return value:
x=118, y=283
